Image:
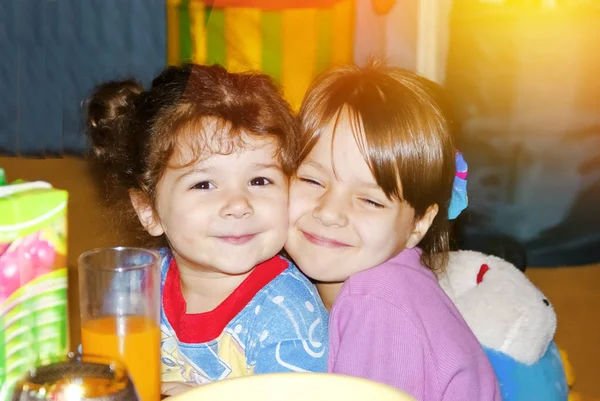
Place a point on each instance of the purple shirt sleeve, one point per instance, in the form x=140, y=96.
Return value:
x=376, y=340
x=372, y=339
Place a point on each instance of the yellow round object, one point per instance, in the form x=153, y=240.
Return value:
x=383, y=6
x=294, y=387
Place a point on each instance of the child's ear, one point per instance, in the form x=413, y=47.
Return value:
x=145, y=213
x=421, y=226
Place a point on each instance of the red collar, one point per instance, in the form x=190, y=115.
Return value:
x=203, y=327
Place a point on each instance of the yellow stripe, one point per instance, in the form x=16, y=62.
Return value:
x=299, y=46
x=343, y=32
x=243, y=37
x=172, y=32
x=198, y=32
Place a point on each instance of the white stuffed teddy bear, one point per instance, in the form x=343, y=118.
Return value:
x=513, y=321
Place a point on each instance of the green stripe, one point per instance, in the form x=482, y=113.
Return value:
x=216, y=46
x=207, y=11
x=272, y=44
x=185, y=36
x=324, y=39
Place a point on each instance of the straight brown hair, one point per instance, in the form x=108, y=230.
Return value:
x=401, y=126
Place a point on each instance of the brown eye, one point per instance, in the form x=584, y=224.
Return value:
x=260, y=181
x=203, y=185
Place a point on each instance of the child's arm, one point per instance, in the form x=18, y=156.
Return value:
x=373, y=339
x=291, y=333
x=291, y=356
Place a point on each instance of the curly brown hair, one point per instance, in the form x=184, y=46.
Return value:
x=135, y=132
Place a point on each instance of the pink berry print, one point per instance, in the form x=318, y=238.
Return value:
x=43, y=254
x=36, y=257
x=10, y=278
x=23, y=261
x=30, y=239
x=4, y=247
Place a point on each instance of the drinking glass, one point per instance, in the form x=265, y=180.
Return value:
x=120, y=311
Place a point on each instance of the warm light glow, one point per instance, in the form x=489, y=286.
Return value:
x=73, y=392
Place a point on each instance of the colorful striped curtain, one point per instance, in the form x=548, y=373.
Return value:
x=290, y=40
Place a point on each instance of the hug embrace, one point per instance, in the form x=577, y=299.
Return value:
x=304, y=243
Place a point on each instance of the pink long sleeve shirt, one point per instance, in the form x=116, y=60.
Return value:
x=394, y=324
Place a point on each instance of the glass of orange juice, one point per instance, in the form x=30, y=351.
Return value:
x=119, y=290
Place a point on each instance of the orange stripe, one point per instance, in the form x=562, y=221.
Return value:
x=343, y=32
x=243, y=37
x=299, y=53
x=198, y=32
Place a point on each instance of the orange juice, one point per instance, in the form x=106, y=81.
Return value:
x=135, y=341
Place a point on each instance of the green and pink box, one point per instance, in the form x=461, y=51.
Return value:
x=33, y=279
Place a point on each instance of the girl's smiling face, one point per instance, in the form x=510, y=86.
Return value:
x=341, y=221
x=226, y=213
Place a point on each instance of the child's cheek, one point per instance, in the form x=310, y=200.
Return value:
x=299, y=206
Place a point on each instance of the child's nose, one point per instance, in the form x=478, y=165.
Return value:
x=331, y=211
x=238, y=206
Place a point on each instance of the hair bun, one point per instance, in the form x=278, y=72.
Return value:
x=107, y=108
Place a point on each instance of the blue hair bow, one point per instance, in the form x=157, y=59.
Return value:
x=459, y=200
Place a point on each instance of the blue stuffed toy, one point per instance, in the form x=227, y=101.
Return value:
x=514, y=322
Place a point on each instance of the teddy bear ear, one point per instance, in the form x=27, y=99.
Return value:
x=482, y=270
